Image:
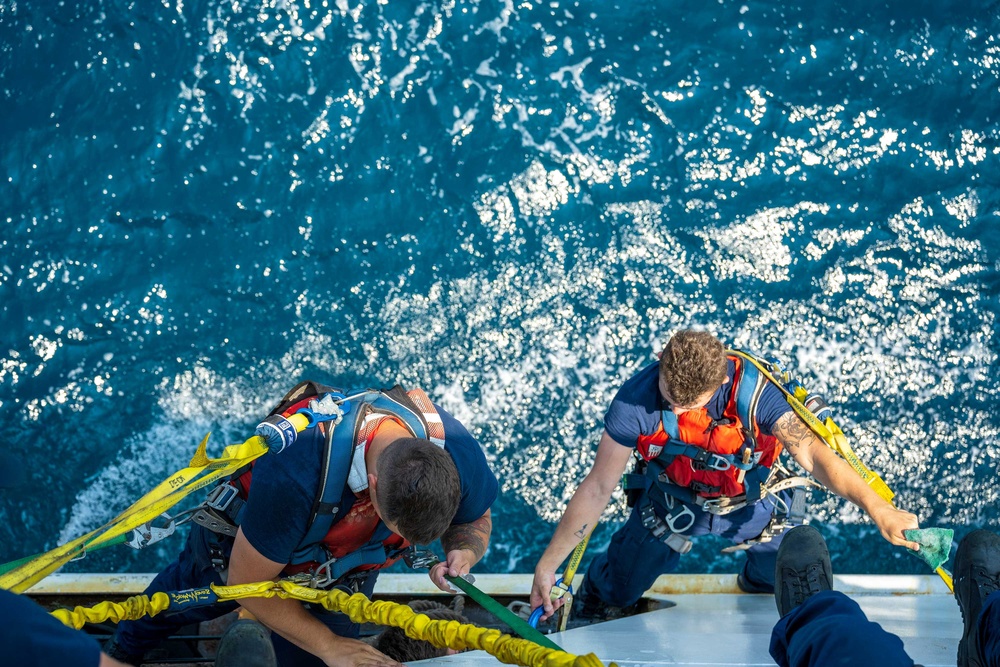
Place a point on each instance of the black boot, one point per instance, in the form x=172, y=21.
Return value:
x=802, y=568
x=588, y=608
x=977, y=574
x=246, y=643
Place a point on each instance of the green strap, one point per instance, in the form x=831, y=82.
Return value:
x=516, y=623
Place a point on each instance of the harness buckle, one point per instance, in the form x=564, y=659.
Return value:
x=724, y=504
x=677, y=512
x=214, y=514
x=701, y=487
x=663, y=531
x=425, y=559
x=218, y=558
x=715, y=423
x=420, y=559
x=221, y=497
x=706, y=460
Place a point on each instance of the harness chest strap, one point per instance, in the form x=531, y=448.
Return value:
x=223, y=510
x=756, y=480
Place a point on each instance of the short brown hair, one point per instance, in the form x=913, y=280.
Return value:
x=394, y=643
x=418, y=488
x=692, y=364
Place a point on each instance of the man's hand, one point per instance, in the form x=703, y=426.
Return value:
x=465, y=544
x=836, y=474
x=541, y=589
x=354, y=653
x=458, y=564
x=892, y=521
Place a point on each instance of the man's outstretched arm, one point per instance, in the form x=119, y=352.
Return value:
x=837, y=475
x=581, y=516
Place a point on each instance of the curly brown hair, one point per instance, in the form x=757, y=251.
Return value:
x=692, y=364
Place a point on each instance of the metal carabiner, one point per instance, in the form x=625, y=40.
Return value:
x=148, y=534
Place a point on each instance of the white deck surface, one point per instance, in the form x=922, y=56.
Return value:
x=724, y=630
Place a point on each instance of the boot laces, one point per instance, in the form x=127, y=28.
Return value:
x=986, y=582
x=803, y=587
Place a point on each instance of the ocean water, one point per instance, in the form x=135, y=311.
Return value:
x=511, y=204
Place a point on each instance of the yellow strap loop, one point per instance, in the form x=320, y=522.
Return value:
x=831, y=434
x=166, y=494
x=827, y=431
x=442, y=634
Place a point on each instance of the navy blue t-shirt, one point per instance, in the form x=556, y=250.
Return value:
x=30, y=637
x=285, y=485
x=635, y=408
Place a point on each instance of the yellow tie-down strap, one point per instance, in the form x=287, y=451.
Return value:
x=827, y=431
x=831, y=434
x=200, y=473
x=442, y=634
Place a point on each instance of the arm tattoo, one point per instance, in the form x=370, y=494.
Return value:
x=793, y=433
x=474, y=536
x=582, y=533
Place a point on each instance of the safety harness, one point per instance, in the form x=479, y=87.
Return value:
x=344, y=415
x=752, y=466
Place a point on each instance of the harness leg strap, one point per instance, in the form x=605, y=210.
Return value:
x=780, y=521
x=661, y=530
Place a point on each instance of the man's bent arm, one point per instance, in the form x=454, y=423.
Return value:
x=582, y=514
x=465, y=544
x=290, y=619
x=837, y=475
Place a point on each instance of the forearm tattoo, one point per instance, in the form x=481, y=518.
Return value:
x=474, y=536
x=793, y=433
x=582, y=533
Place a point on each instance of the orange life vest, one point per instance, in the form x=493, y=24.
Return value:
x=711, y=457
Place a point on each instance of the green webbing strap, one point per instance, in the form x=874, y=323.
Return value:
x=516, y=623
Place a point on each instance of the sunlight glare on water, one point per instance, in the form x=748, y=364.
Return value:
x=512, y=205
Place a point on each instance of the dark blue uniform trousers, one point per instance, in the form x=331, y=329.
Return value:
x=194, y=569
x=829, y=629
x=989, y=630
x=635, y=558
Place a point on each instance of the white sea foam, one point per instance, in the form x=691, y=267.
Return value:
x=529, y=348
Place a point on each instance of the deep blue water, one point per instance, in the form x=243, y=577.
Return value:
x=511, y=204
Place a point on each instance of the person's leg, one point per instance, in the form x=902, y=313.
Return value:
x=633, y=561
x=757, y=575
x=192, y=569
x=830, y=630
x=977, y=578
x=820, y=626
x=988, y=631
x=290, y=655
